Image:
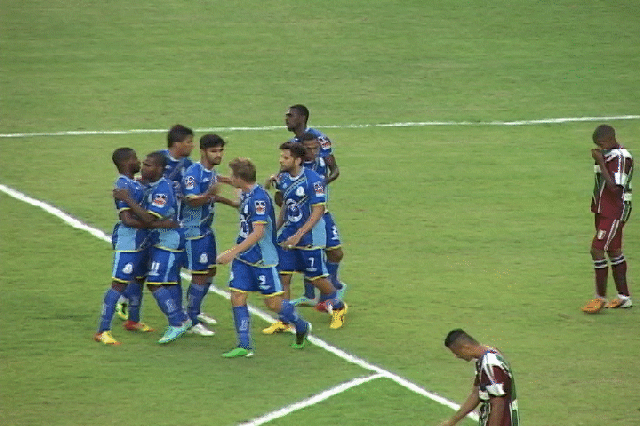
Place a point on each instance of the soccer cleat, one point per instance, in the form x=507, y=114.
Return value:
x=301, y=338
x=304, y=301
x=238, y=352
x=321, y=307
x=277, y=327
x=174, y=332
x=137, y=326
x=337, y=317
x=202, y=317
x=594, y=306
x=122, y=311
x=201, y=330
x=620, y=302
x=342, y=291
x=106, y=338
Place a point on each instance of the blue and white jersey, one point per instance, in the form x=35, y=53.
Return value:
x=256, y=207
x=299, y=195
x=326, y=147
x=197, y=220
x=160, y=201
x=123, y=237
x=175, y=170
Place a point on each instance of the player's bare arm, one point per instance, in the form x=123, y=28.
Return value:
x=332, y=166
x=497, y=410
x=123, y=194
x=204, y=198
x=597, y=155
x=467, y=406
x=252, y=239
x=317, y=210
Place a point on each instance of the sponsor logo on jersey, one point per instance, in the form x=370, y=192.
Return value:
x=601, y=234
x=128, y=268
x=325, y=143
x=204, y=258
x=318, y=188
x=189, y=182
x=160, y=200
x=261, y=207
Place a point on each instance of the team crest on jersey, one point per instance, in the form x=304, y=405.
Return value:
x=325, y=143
x=189, y=182
x=261, y=207
x=318, y=188
x=160, y=200
x=300, y=191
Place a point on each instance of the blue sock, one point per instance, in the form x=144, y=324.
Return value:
x=176, y=294
x=168, y=306
x=195, y=294
x=108, y=309
x=332, y=298
x=309, y=290
x=289, y=314
x=243, y=326
x=333, y=274
x=134, y=294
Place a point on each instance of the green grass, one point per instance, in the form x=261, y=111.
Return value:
x=483, y=227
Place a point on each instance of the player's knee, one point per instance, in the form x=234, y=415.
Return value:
x=335, y=256
x=117, y=286
x=597, y=254
x=614, y=253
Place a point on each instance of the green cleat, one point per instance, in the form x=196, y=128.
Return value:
x=238, y=352
x=122, y=311
x=301, y=338
x=174, y=332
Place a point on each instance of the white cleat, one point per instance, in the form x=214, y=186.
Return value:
x=201, y=330
x=206, y=318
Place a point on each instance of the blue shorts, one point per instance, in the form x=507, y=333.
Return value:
x=245, y=278
x=333, y=235
x=128, y=265
x=310, y=262
x=201, y=254
x=164, y=266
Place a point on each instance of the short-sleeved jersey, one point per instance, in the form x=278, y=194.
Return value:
x=256, y=207
x=197, y=220
x=320, y=167
x=605, y=201
x=326, y=146
x=299, y=195
x=126, y=238
x=495, y=379
x=175, y=170
x=160, y=201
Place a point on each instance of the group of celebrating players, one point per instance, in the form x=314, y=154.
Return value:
x=166, y=216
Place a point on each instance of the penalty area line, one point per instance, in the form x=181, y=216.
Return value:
x=379, y=372
x=542, y=121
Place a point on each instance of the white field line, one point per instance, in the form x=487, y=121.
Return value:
x=379, y=372
x=324, y=395
x=346, y=126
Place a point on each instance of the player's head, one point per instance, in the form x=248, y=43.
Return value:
x=153, y=166
x=180, y=140
x=211, y=149
x=296, y=117
x=126, y=160
x=604, y=136
x=311, y=146
x=461, y=344
x=243, y=172
x=291, y=157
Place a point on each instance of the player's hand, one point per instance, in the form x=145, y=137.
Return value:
x=291, y=242
x=596, y=153
x=224, y=179
x=121, y=194
x=224, y=257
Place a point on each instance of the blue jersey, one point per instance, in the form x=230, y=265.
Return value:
x=126, y=238
x=175, y=170
x=256, y=207
x=299, y=195
x=326, y=148
x=197, y=220
x=320, y=167
x=160, y=201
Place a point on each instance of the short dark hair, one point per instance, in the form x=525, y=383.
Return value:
x=211, y=140
x=121, y=155
x=296, y=149
x=604, y=132
x=178, y=133
x=159, y=158
x=458, y=335
x=302, y=110
x=243, y=168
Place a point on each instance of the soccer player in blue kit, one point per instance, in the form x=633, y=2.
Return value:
x=302, y=237
x=199, y=187
x=128, y=239
x=167, y=244
x=254, y=258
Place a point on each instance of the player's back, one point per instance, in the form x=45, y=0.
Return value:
x=257, y=207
